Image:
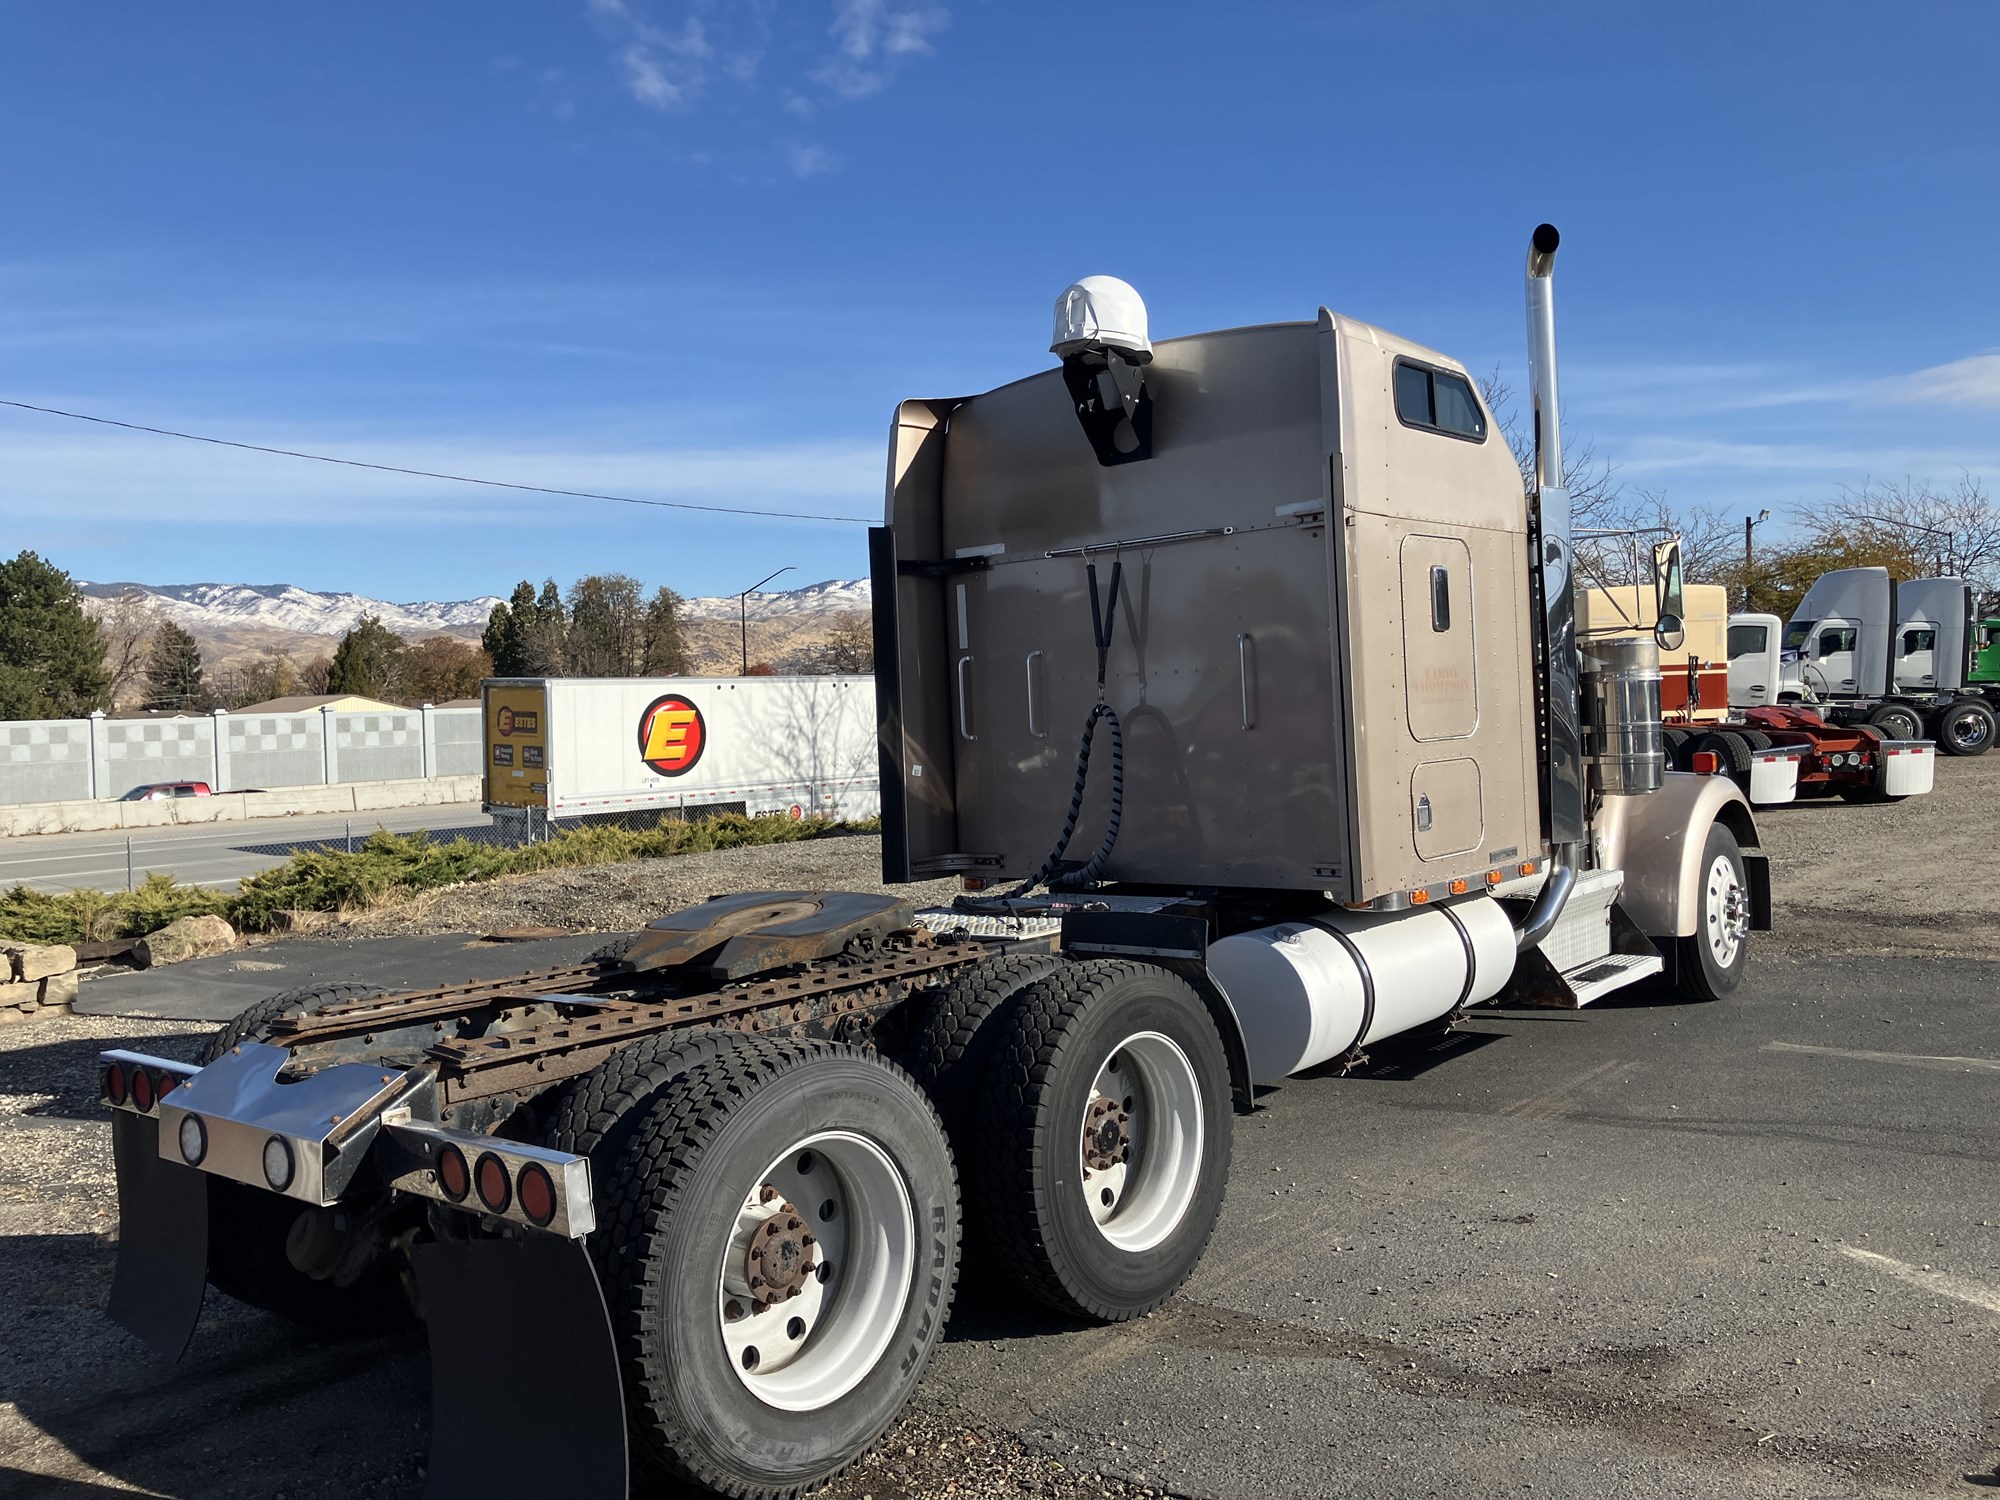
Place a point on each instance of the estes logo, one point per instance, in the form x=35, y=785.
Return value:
x=518, y=721
x=671, y=735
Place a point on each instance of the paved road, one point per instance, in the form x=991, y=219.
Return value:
x=1739, y=1250
x=215, y=854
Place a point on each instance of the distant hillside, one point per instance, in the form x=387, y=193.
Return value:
x=234, y=623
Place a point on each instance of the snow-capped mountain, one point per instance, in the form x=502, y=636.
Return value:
x=282, y=606
x=833, y=597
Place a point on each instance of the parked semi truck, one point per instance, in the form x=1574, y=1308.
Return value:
x=1342, y=773
x=587, y=749
x=1868, y=650
x=1776, y=752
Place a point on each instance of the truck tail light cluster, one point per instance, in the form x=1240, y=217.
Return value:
x=508, y=1180
x=127, y=1081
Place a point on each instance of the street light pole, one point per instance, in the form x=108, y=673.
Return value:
x=743, y=613
x=1749, y=554
x=1950, y=537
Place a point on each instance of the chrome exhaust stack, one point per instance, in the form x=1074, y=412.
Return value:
x=1562, y=667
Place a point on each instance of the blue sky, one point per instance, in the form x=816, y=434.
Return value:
x=698, y=251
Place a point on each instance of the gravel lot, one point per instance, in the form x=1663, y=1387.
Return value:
x=1625, y=1253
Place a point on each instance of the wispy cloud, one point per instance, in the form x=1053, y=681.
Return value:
x=669, y=66
x=810, y=161
x=1973, y=381
x=871, y=40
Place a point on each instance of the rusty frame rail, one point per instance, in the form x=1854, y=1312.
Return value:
x=403, y=1007
x=479, y=1066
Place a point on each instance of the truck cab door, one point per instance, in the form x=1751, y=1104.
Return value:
x=1916, y=658
x=1827, y=662
x=1753, y=664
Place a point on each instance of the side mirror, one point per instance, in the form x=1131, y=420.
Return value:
x=1670, y=632
x=1669, y=590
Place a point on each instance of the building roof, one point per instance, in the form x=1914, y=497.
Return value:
x=342, y=703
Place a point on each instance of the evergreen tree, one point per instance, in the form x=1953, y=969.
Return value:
x=507, y=632
x=51, y=652
x=606, y=626
x=665, y=650
x=173, y=673
x=543, y=652
x=368, y=662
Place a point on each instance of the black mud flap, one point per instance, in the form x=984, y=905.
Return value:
x=525, y=1392
x=162, y=1269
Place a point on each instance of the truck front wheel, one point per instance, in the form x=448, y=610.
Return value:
x=1711, y=961
x=1104, y=1138
x=780, y=1246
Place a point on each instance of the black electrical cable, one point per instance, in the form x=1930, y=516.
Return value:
x=497, y=484
x=1052, y=871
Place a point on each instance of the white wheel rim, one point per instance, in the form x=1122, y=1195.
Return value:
x=1145, y=1094
x=1725, y=911
x=804, y=1351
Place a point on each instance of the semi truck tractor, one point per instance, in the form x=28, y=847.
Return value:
x=1238, y=679
x=1868, y=650
x=1776, y=752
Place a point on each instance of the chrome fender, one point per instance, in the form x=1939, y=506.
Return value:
x=1657, y=841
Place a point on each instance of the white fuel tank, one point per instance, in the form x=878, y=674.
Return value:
x=1306, y=992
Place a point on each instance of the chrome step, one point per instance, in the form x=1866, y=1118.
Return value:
x=1600, y=976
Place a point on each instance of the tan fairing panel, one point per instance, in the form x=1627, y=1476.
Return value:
x=1658, y=839
x=1289, y=709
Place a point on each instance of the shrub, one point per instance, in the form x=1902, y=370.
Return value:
x=387, y=867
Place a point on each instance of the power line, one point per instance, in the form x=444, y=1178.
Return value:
x=498, y=484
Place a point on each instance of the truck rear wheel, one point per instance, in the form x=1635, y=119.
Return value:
x=1966, y=727
x=1898, y=721
x=949, y=1057
x=780, y=1248
x=1104, y=1138
x=248, y=1228
x=1712, y=960
x=1734, y=753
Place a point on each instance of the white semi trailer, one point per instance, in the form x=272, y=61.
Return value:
x=583, y=749
x=1343, y=773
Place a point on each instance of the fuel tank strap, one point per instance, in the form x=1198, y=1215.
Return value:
x=1471, y=956
x=1367, y=980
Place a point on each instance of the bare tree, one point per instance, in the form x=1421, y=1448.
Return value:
x=1955, y=532
x=129, y=627
x=1599, y=503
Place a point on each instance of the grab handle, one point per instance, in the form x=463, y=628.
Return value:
x=1034, y=724
x=964, y=699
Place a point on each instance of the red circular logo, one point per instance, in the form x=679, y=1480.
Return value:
x=672, y=735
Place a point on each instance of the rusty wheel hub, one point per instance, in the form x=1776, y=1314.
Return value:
x=1107, y=1137
x=780, y=1258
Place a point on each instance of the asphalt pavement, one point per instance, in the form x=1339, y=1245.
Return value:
x=1749, y=1249
x=209, y=854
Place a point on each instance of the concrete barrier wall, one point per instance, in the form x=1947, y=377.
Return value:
x=45, y=760
x=230, y=807
x=75, y=760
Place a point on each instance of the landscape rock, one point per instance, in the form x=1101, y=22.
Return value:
x=189, y=937
x=35, y=961
x=23, y=1000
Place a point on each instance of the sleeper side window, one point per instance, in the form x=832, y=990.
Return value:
x=1438, y=401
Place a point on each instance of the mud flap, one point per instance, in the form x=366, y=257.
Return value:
x=162, y=1269
x=525, y=1390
